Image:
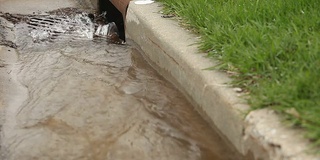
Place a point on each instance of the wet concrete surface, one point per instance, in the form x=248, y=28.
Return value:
x=92, y=100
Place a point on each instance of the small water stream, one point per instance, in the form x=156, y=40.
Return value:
x=68, y=94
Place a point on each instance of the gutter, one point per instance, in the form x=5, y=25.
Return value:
x=173, y=52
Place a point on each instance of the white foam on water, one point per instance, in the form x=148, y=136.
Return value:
x=79, y=26
x=102, y=30
x=39, y=35
x=86, y=26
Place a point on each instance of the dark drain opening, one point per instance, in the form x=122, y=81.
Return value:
x=113, y=15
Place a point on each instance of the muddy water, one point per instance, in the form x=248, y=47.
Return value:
x=92, y=100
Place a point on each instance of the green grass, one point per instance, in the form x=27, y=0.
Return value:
x=273, y=46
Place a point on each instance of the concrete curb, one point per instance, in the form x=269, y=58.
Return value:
x=172, y=51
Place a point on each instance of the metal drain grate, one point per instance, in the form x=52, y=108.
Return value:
x=54, y=27
x=65, y=25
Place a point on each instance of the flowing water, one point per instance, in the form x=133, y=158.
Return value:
x=68, y=93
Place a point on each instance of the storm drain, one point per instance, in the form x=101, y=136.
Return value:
x=53, y=28
x=66, y=26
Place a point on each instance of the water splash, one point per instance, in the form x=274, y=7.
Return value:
x=53, y=26
x=65, y=25
x=86, y=26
